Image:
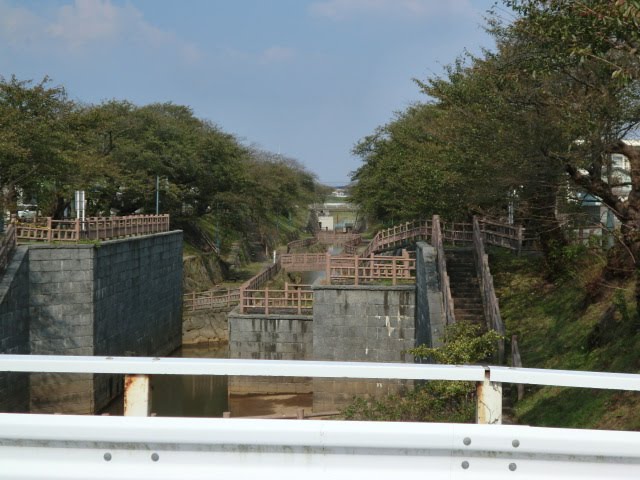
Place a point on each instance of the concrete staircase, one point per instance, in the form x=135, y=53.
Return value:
x=465, y=289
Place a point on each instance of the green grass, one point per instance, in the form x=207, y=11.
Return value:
x=559, y=325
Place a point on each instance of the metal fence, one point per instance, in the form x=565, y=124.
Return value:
x=138, y=446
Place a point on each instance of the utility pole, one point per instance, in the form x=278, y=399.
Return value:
x=157, y=194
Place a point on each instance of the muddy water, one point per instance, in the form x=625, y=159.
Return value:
x=191, y=395
x=207, y=396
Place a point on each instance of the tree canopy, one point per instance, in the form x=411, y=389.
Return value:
x=522, y=128
x=118, y=152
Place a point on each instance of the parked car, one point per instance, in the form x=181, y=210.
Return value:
x=27, y=212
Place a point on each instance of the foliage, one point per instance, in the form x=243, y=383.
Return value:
x=119, y=153
x=35, y=143
x=521, y=129
x=435, y=401
x=556, y=324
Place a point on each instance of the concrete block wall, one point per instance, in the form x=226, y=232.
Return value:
x=137, y=302
x=120, y=297
x=62, y=314
x=364, y=324
x=14, y=330
x=429, y=310
x=270, y=337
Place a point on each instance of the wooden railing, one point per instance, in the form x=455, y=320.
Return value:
x=293, y=299
x=445, y=287
x=390, y=237
x=94, y=228
x=305, y=242
x=219, y=299
x=257, y=281
x=350, y=247
x=335, y=238
x=303, y=262
x=502, y=235
x=356, y=270
x=456, y=233
x=489, y=298
x=7, y=246
x=211, y=299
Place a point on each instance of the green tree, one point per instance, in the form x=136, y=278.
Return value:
x=36, y=141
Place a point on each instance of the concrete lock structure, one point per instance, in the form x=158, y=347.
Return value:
x=119, y=297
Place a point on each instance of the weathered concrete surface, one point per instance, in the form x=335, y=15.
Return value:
x=137, y=302
x=361, y=323
x=205, y=326
x=14, y=330
x=121, y=297
x=429, y=311
x=270, y=337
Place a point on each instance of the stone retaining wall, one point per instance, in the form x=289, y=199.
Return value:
x=14, y=330
x=115, y=298
x=270, y=337
x=363, y=324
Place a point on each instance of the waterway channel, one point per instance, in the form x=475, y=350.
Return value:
x=208, y=396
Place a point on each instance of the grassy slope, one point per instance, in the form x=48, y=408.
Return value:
x=558, y=327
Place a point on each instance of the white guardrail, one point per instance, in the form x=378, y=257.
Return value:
x=35, y=446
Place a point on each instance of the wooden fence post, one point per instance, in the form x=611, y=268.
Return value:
x=520, y=239
x=49, y=229
x=356, y=272
x=328, y=267
x=266, y=301
x=393, y=270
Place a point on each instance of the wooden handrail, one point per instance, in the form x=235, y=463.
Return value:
x=92, y=228
x=494, y=233
x=289, y=300
x=489, y=298
x=211, y=299
x=356, y=270
x=445, y=287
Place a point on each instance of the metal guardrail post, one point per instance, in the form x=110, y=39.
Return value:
x=489, y=401
x=137, y=396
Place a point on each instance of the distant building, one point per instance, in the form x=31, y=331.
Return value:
x=339, y=193
x=325, y=222
x=597, y=213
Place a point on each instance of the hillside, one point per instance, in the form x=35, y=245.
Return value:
x=581, y=322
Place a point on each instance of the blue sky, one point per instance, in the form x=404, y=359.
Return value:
x=306, y=78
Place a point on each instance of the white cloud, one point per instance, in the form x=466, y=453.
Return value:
x=277, y=54
x=82, y=25
x=345, y=9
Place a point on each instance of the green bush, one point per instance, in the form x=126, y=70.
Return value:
x=435, y=401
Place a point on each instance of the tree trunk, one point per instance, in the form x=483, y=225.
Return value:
x=544, y=223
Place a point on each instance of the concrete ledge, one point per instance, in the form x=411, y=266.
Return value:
x=375, y=288
x=140, y=237
x=272, y=316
